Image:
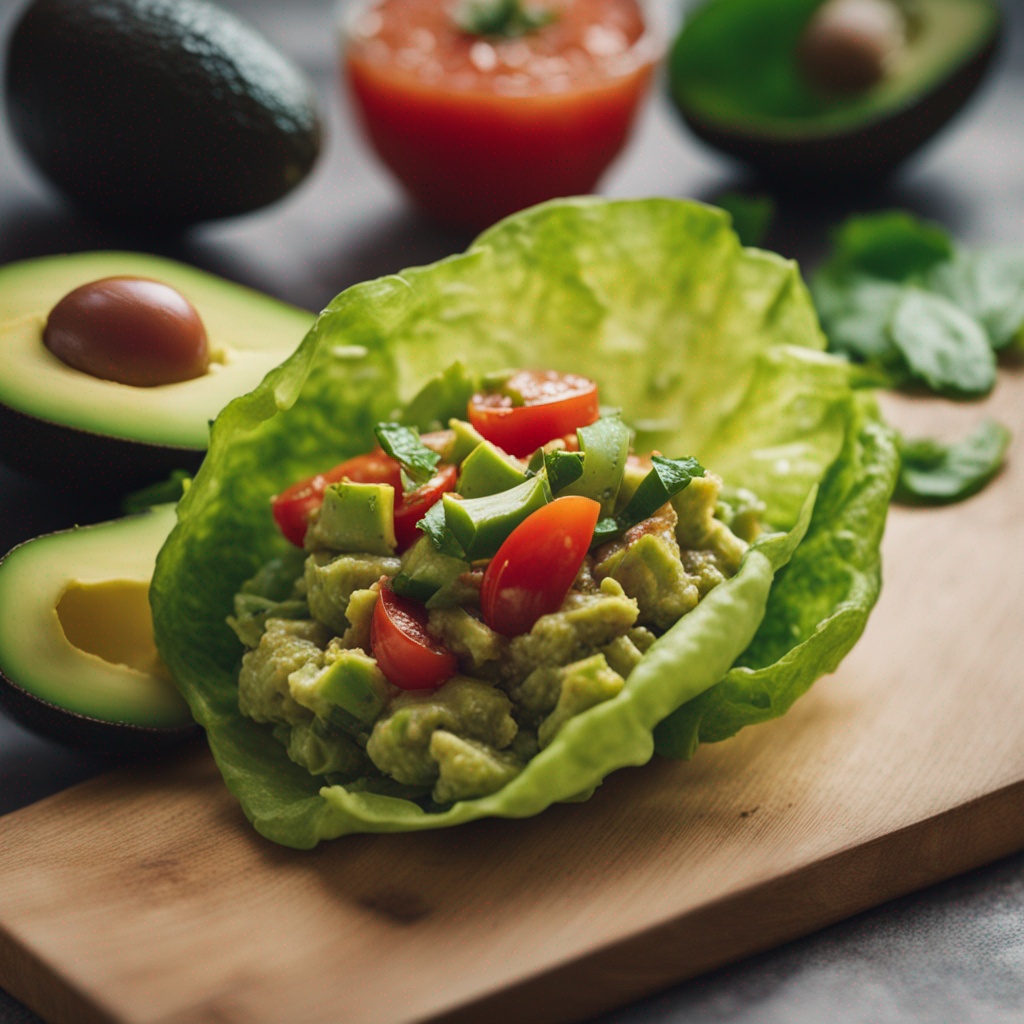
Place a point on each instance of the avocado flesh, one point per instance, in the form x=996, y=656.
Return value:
x=77, y=658
x=249, y=333
x=734, y=77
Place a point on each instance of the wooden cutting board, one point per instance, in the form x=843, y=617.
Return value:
x=143, y=896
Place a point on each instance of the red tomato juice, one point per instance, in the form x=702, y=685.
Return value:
x=476, y=127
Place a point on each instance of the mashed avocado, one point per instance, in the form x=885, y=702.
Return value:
x=315, y=666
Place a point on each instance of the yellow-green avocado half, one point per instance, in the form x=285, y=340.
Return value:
x=64, y=425
x=736, y=76
x=77, y=658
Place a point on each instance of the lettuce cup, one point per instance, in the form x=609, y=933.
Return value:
x=707, y=349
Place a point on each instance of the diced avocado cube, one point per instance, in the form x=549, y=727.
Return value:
x=352, y=683
x=332, y=579
x=487, y=470
x=446, y=394
x=355, y=517
x=467, y=437
x=426, y=571
x=480, y=525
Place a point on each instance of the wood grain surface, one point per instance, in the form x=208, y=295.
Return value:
x=143, y=896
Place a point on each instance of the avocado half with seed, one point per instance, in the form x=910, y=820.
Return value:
x=741, y=76
x=65, y=425
x=77, y=658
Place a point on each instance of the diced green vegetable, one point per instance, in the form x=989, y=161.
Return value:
x=605, y=446
x=480, y=525
x=356, y=518
x=563, y=469
x=444, y=396
x=487, y=470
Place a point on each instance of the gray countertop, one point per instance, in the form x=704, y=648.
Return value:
x=949, y=954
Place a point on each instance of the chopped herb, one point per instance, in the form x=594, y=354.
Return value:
x=403, y=444
x=435, y=526
x=936, y=474
x=502, y=18
x=665, y=480
x=563, y=468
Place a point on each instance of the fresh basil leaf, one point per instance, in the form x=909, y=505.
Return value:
x=942, y=345
x=435, y=525
x=893, y=245
x=665, y=480
x=404, y=445
x=855, y=312
x=935, y=473
x=989, y=285
x=563, y=468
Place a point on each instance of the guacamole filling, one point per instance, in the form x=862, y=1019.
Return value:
x=420, y=643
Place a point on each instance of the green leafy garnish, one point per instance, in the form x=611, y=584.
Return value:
x=563, y=468
x=434, y=525
x=502, y=18
x=899, y=296
x=665, y=480
x=935, y=473
x=403, y=444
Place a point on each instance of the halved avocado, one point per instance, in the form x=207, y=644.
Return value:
x=77, y=658
x=737, y=77
x=64, y=425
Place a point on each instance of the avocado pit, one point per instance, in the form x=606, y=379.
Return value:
x=131, y=330
x=849, y=46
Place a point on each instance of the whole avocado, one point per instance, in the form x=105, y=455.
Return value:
x=158, y=113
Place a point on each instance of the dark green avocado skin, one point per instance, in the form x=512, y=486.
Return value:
x=80, y=732
x=158, y=113
x=857, y=158
x=68, y=457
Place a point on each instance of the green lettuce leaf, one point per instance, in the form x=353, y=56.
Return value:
x=710, y=349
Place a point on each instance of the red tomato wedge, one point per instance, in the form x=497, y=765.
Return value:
x=407, y=654
x=553, y=404
x=536, y=566
x=293, y=506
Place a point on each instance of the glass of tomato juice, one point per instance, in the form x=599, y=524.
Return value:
x=478, y=125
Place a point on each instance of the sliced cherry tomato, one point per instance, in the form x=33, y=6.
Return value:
x=407, y=654
x=294, y=505
x=553, y=404
x=410, y=508
x=535, y=567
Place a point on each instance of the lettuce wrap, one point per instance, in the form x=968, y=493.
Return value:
x=708, y=348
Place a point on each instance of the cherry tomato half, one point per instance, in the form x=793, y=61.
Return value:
x=535, y=567
x=554, y=404
x=407, y=654
x=294, y=505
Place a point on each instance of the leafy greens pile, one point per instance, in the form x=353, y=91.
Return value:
x=707, y=348
x=898, y=295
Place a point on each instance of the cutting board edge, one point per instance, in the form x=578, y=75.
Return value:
x=596, y=982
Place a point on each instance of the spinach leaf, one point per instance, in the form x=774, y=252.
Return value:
x=942, y=345
x=935, y=473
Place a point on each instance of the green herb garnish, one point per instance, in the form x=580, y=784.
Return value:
x=936, y=474
x=563, y=468
x=665, y=480
x=403, y=444
x=898, y=295
x=502, y=18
